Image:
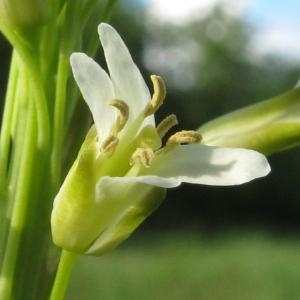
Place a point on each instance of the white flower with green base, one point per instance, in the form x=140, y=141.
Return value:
x=122, y=169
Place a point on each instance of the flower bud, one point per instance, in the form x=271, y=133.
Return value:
x=269, y=126
x=25, y=13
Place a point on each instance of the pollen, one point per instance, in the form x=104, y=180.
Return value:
x=143, y=156
x=123, y=114
x=158, y=96
x=184, y=137
x=166, y=124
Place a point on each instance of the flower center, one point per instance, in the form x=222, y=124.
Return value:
x=138, y=147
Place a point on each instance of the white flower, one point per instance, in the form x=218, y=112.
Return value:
x=185, y=163
x=129, y=164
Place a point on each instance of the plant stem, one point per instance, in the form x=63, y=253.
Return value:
x=64, y=271
x=20, y=208
x=7, y=125
x=28, y=54
x=59, y=113
x=5, y=137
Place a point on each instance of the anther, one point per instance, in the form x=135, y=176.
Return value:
x=158, y=96
x=123, y=113
x=184, y=137
x=144, y=156
x=166, y=124
x=109, y=145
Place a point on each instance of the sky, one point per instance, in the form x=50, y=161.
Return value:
x=277, y=22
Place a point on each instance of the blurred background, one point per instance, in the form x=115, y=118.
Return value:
x=209, y=242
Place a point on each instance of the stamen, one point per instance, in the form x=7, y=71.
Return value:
x=158, y=95
x=123, y=113
x=109, y=145
x=142, y=156
x=166, y=124
x=184, y=137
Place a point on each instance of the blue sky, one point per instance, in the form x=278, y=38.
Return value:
x=277, y=22
x=272, y=11
x=278, y=26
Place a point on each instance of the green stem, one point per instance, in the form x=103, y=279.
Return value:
x=106, y=15
x=7, y=124
x=15, y=132
x=64, y=271
x=69, y=35
x=18, y=135
x=109, y=10
x=28, y=55
x=59, y=112
x=19, y=209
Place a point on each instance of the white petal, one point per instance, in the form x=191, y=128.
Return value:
x=111, y=182
x=97, y=90
x=210, y=165
x=128, y=82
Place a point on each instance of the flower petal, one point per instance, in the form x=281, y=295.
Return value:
x=97, y=90
x=202, y=164
x=128, y=82
x=107, y=181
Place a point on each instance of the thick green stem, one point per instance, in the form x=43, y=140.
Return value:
x=28, y=55
x=20, y=208
x=6, y=128
x=63, y=275
x=5, y=137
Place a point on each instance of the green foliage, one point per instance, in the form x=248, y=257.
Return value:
x=187, y=265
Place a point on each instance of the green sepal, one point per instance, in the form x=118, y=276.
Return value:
x=269, y=126
x=144, y=200
x=75, y=210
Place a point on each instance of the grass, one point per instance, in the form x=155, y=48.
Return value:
x=163, y=266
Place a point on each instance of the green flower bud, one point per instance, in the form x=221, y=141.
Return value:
x=270, y=126
x=91, y=221
x=25, y=13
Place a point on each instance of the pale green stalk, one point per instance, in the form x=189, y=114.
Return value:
x=20, y=207
x=59, y=112
x=7, y=125
x=63, y=275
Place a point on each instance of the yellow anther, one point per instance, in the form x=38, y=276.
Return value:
x=143, y=156
x=166, y=124
x=184, y=137
x=123, y=113
x=158, y=96
x=109, y=145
